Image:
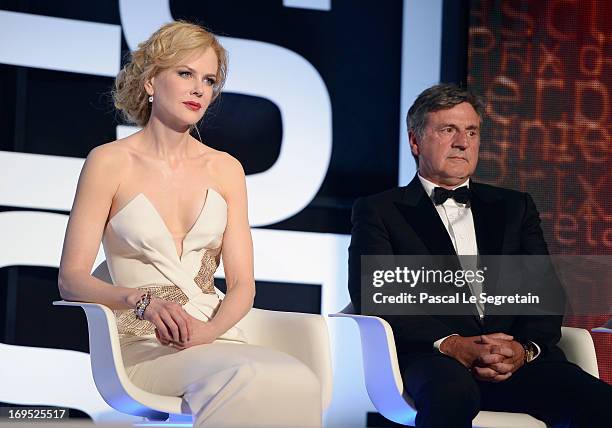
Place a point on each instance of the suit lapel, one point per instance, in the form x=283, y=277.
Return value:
x=488, y=212
x=489, y=216
x=422, y=216
x=419, y=211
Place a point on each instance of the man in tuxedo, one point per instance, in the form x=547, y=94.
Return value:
x=453, y=366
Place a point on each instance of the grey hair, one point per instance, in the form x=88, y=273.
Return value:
x=440, y=97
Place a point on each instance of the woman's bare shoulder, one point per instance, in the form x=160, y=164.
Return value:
x=113, y=150
x=108, y=161
x=224, y=164
x=227, y=172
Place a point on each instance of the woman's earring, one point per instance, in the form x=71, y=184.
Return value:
x=151, y=99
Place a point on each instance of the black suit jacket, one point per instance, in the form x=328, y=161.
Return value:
x=404, y=221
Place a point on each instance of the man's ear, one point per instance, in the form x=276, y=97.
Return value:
x=414, y=143
x=149, y=86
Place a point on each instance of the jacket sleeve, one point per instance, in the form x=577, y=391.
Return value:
x=544, y=330
x=370, y=236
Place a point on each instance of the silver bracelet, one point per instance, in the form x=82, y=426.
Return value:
x=141, y=305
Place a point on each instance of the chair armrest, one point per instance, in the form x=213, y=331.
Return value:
x=304, y=336
x=381, y=369
x=107, y=365
x=577, y=344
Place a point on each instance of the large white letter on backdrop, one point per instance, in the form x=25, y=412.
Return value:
x=258, y=69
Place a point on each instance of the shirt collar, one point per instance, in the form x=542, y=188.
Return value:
x=429, y=186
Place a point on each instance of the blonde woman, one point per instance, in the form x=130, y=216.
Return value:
x=166, y=208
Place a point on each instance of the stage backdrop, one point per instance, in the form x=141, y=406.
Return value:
x=546, y=70
x=313, y=108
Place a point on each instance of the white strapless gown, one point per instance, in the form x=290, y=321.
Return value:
x=228, y=383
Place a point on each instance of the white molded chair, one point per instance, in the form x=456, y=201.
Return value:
x=384, y=381
x=304, y=336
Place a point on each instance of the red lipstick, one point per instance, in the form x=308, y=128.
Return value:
x=192, y=105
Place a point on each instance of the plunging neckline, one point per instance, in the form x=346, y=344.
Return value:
x=163, y=222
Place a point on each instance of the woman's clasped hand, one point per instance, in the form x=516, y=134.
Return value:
x=175, y=327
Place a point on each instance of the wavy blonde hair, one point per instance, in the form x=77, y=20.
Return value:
x=164, y=49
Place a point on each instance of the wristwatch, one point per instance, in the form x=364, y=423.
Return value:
x=530, y=351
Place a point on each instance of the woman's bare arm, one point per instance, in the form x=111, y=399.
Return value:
x=237, y=251
x=98, y=183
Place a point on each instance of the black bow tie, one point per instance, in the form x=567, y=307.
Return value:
x=460, y=194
